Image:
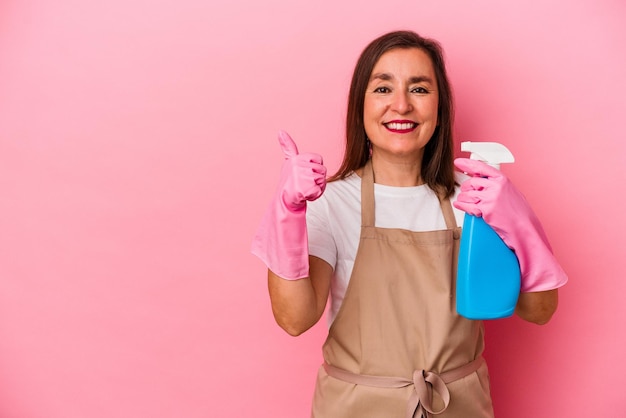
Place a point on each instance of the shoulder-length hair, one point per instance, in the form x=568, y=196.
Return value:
x=437, y=164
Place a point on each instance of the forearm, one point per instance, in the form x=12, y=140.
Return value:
x=537, y=307
x=297, y=305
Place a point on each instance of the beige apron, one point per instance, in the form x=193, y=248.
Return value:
x=397, y=347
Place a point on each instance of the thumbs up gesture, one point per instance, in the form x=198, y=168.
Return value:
x=303, y=176
x=281, y=240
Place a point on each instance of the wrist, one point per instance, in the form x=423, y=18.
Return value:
x=292, y=206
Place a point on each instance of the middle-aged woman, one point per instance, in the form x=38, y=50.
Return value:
x=382, y=237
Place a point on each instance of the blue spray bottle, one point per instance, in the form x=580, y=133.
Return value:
x=488, y=275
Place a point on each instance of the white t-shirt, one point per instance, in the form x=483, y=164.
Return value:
x=334, y=223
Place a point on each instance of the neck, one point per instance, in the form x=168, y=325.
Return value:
x=397, y=172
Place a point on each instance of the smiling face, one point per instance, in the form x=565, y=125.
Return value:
x=401, y=104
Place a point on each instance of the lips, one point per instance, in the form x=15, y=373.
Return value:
x=400, y=126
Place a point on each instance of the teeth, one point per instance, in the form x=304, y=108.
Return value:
x=400, y=126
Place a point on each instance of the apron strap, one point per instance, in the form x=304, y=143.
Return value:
x=367, y=195
x=424, y=383
x=448, y=213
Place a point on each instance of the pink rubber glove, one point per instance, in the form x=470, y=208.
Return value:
x=281, y=241
x=490, y=194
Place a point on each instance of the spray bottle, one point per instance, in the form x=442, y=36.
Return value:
x=488, y=276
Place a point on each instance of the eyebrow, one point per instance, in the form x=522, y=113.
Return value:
x=412, y=80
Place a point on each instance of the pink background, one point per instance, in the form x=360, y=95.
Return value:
x=138, y=151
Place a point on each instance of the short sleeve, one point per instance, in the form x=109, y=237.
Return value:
x=321, y=241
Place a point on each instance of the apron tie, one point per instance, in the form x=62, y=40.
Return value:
x=420, y=402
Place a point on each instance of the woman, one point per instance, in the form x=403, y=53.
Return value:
x=396, y=346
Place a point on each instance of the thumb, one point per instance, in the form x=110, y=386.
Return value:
x=475, y=168
x=290, y=149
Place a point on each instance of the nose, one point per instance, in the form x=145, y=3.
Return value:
x=402, y=102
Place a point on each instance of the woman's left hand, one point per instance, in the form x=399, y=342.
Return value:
x=490, y=194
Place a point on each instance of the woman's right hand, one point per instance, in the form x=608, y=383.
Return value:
x=281, y=240
x=303, y=176
x=283, y=244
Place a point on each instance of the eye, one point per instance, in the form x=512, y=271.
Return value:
x=419, y=90
x=382, y=89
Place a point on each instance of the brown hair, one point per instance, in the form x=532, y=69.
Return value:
x=437, y=166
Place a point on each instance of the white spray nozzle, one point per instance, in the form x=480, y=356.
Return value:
x=491, y=153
